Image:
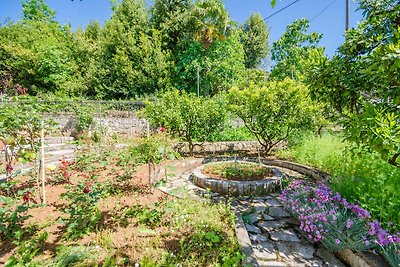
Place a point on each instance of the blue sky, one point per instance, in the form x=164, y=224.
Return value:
x=331, y=22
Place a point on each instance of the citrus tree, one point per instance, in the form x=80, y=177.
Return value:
x=186, y=116
x=273, y=112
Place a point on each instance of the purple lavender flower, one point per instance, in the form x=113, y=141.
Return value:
x=349, y=223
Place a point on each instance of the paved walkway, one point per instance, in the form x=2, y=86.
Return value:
x=266, y=232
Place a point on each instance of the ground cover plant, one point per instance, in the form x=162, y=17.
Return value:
x=327, y=217
x=238, y=171
x=101, y=212
x=359, y=176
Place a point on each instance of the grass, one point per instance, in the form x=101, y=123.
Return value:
x=239, y=172
x=361, y=177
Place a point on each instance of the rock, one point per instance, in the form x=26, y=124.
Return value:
x=353, y=259
x=283, y=250
x=304, y=251
x=278, y=212
x=268, y=218
x=291, y=221
x=284, y=235
x=265, y=251
x=258, y=238
x=271, y=264
x=251, y=218
x=273, y=203
x=329, y=258
x=253, y=229
x=296, y=251
x=270, y=225
x=259, y=199
x=259, y=207
x=234, y=203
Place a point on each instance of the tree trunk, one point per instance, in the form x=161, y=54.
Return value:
x=392, y=160
x=191, y=146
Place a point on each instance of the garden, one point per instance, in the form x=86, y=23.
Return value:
x=157, y=139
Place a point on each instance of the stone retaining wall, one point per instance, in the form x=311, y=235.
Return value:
x=109, y=123
x=221, y=147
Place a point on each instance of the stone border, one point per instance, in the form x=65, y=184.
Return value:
x=244, y=240
x=237, y=188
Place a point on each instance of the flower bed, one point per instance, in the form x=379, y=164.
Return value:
x=237, y=171
x=327, y=217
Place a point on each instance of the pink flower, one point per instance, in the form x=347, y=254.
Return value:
x=27, y=196
x=9, y=168
x=337, y=241
x=86, y=190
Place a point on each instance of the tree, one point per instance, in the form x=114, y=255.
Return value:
x=218, y=68
x=131, y=61
x=362, y=80
x=255, y=40
x=186, y=116
x=37, y=10
x=274, y=112
x=39, y=55
x=172, y=19
x=296, y=51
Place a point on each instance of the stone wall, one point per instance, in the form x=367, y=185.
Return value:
x=123, y=123
x=222, y=147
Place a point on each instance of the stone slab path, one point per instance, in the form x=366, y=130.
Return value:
x=266, y=232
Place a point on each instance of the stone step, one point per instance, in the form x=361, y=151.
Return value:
x=59, y=146
x=59, y=153
x=59, y=139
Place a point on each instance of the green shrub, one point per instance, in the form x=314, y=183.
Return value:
x=84, y=118
x=83, y=212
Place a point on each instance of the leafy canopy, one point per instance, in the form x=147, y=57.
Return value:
x=273, y=112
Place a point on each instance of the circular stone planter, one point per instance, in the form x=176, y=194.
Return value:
x=237, y=188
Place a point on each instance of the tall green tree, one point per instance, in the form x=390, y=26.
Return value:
x=219, y=68
x=296, y=51
x=131, y=61
x=255, y=40
x=172, y=19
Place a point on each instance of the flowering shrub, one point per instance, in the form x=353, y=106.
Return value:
x=84, y=215
x=327, y=217
x=63, y=173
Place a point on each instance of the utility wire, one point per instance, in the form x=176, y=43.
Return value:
x=283, y=8
x=323, y=10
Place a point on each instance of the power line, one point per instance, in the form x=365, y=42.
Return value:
x=294, y=2
x=323, y=10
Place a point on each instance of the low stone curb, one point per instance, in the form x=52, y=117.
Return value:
x=237, y=188
x=244, y=241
